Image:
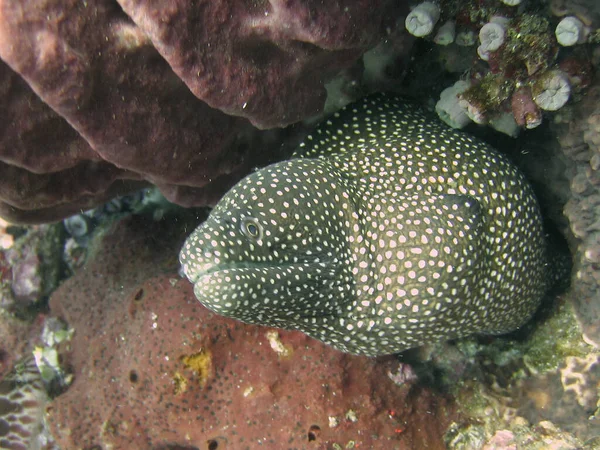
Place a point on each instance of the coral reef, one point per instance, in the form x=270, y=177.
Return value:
x=530, y=392
x=559, y=376
x=184, y=377
x=93, y=106
x=578, y=133
x=520, y=436
x=567, y=396
x=101, y=100
x=528, y=60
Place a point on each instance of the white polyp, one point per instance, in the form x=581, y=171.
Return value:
x=552, y=90
x=501, y=20
x=465, y=38
x=421, y=20
x=482, y=53
x=491, y=36
x=448, y=107
x=446, y=34
x=570, y=31
x=511, y=2
x=505, y=123
x=474, y=113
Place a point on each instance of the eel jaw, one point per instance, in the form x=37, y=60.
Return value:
x=193, y=272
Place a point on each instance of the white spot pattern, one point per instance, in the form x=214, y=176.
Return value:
x=418, y=231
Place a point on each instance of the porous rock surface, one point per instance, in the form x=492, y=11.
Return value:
x=154, y=369
x=264, y=60
x=579, y=138
x=95, y=104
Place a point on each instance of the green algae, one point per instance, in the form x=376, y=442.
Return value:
x=558, y=337
x=529, y=44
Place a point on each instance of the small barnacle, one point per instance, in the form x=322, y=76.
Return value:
x=491, y=37
x=78, y=225
x=449, y=108
x=446, y=34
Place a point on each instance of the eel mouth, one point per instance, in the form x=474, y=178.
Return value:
x=208, y=269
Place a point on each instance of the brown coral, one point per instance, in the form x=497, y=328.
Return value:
x=93, y=105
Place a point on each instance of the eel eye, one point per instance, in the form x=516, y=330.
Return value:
x=252, y=228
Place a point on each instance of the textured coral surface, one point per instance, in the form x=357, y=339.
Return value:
x=154, y=369
x=579, y=138
x=568, y=396
x=266, y=61
x=92, y=103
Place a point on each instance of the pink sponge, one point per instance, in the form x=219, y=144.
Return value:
x=154, y=369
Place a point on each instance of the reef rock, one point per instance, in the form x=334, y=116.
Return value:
x=579, y=138
x=103, y=110
x=267, y=61
x=153, y=369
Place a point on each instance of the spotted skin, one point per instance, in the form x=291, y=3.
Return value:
x=386, y=231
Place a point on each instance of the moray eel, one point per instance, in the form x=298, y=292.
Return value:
x=386, y=230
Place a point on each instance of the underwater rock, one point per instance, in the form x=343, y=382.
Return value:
x=387, y=230
x=47, y=170
x=266, y=61
x=184, y=377
x=112, y=115
x=579, y=138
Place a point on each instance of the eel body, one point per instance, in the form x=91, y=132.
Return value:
x=385, y=231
